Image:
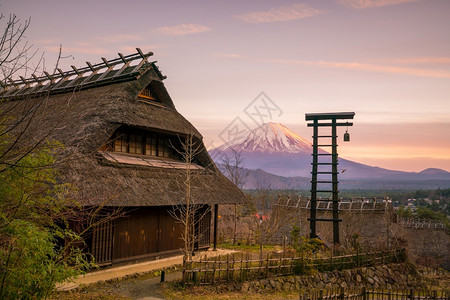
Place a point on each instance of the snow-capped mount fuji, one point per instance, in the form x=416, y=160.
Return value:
x=273, y=137
x=273, y=148
x=276, y=149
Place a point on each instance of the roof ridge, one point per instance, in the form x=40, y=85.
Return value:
x=69, y=80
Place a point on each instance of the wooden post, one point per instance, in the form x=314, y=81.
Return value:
x=242, y=270
x=331, y=261
x=279, y=266
x=216, y=216
x=342, y=294
x=364, y=293
x=321, y=295
x=194, y=277
x=411, y=294
x=434, y=295
x=357, y=256
x=334, y=176
x=232, y=266
x=228, y=267
x=246, y=266
x=218, y=271
x=313, y=215
x=183, y=276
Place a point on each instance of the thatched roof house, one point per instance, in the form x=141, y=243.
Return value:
x=123, y=145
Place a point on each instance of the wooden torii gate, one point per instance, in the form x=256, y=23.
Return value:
x=326, y=120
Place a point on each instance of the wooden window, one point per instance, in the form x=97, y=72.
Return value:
x=135, y=144
x=164, y=148
x=151, y=146
x=148, y=93
x=167, y=149
x=160, y=147
x=144, y=143
x=120, y=142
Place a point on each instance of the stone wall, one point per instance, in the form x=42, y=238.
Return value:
x=392, y=276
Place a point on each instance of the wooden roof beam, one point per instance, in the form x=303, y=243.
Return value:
x=64, y=77
x=110, y=68
x=94, y=71
x=90, y=66
x=106, y=62
x=24, y=81
x=126, y=64
x=122, y=58
x=75, y=69
x=51, y=81
x=38, y=81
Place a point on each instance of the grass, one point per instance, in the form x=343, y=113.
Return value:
x=249, y=248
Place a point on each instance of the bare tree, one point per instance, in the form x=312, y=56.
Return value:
x=35, y=208
x=278, y=222
x=234, y=168
x=235, y=172
x=190, y=213
x=15, y=52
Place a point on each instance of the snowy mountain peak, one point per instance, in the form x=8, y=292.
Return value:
x=273, y=137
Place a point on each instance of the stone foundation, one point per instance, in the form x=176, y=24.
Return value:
x=392, y=276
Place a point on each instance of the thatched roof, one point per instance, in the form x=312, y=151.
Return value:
x=85, y=117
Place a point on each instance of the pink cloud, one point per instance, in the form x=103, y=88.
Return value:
x=47, y=42
x=119, y=38
x=422, y=60
x=79, y=49
x=280, y=14
x=144, y=48
x=371, y=68
x=362, y=4
x=182, y=29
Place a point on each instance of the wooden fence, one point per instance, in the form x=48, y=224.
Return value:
x=422, y=223
x=241, y=267
x=364, y=294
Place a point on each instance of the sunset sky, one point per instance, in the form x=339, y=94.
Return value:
x=386, y=60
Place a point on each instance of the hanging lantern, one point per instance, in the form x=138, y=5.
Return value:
x=346, y=137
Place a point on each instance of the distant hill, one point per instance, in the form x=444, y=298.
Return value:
x=260, y=179
x=434, y=171
x=276, y=156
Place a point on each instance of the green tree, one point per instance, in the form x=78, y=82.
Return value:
x=404, y=212
x=37, y=246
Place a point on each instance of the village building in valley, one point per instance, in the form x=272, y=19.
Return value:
x=122, y=143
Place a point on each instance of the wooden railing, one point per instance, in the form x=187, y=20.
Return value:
x=241, y=267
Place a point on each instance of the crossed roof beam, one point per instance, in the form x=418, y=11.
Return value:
x=56, y=81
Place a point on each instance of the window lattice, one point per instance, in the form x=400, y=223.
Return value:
x=144, y=143
x=147, y=93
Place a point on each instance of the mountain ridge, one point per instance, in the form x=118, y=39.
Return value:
x=277, y=150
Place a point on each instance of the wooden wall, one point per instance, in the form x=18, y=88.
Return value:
x=142, y=232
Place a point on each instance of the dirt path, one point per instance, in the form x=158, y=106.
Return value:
x=149, y=289
x=134, y=281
